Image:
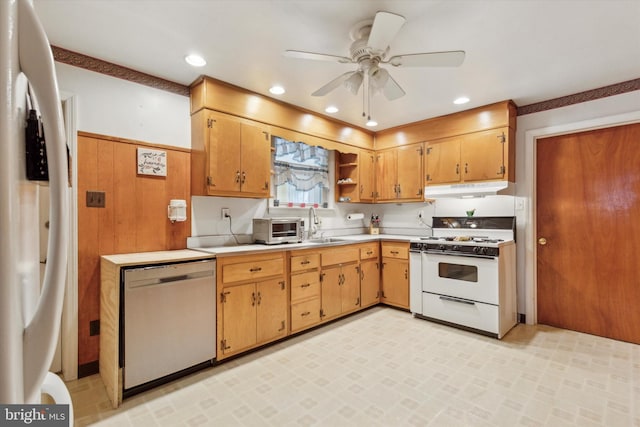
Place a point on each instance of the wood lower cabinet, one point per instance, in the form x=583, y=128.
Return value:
x=252, y=302
x=395, y=274
x=229, y=156
x=305, y=289
x=369, y=274
x=339, y=281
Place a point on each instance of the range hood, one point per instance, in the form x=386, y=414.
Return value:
x=467, y=190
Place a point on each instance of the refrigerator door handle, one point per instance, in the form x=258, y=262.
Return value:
x=40, y=336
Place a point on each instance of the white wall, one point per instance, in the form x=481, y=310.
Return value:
x=116, y=107
x=610, y=111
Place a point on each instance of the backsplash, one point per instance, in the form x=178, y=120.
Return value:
x=395, y=218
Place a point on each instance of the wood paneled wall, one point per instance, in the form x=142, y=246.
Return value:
x=134, y=218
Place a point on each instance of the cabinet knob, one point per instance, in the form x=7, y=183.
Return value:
x=542, y=241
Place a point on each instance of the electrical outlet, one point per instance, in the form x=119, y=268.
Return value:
x=226, y=213
x=95, y=199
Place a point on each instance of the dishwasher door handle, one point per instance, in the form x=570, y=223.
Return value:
x=155, y=281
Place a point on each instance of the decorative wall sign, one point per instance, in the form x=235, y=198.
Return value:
x=152, y=162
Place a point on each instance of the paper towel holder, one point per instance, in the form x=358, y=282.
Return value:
x=177, y=210
x=355, y=216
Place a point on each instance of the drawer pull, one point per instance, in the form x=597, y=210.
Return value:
x=305, y=262
x=255, y=269
x=395, y=252
x=305, y=285
x=369, y=252
x=306, y=313
x=461, y=301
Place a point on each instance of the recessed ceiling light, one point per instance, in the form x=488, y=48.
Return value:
x=461, y=100
x=195, y=60
x=276, y=90
x=331, y=109
x=371, y=123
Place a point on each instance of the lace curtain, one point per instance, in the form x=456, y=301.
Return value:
x=300, y=165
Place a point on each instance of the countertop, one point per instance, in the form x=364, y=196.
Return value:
x=140, y=258
x=331, y=241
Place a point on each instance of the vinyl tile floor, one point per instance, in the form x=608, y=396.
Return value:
x=382, y=367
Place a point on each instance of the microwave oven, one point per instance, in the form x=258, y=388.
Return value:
x=273, y=231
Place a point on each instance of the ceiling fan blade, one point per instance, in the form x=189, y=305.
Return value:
x=452, y=58
x=334, y=83
x=316, y=56
x=392, y=90
x=385, y=27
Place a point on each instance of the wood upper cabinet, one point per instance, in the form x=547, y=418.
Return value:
x=230, y=156
x=367, y=186
x=399, y=173
x=252, y=302
x=478, y=156
x=395, y=274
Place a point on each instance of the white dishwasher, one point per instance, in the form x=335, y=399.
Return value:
x=168, y=321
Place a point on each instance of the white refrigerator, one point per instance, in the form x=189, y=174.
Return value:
x=29, y=316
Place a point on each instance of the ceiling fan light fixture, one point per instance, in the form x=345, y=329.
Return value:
x=195, y=60
x=379, y=77
x=354, y=82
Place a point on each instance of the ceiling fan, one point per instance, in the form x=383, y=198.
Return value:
x=371, y=39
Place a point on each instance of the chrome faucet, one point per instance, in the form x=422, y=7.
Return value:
x=313, y=222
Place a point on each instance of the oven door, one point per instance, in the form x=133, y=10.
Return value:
x=461, y=276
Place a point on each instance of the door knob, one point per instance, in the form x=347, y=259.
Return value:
x=542, y=241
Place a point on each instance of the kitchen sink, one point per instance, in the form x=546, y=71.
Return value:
x=323, y=240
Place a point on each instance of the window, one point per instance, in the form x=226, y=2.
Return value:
x=301, y=174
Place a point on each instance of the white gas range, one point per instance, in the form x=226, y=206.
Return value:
x=464, y=275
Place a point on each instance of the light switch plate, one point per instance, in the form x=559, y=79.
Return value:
x=95, y=199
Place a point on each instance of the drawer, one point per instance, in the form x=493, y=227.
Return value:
x=369, y=251
x=305, y=262
x=395, y=251
x=340, y=255
x=305, y=314
x=472, y=314
x=305, y=285
x=251, y=270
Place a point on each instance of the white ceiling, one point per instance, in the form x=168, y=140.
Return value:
x=524, y=50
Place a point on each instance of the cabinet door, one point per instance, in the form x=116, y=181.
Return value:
x=369, y=282
x=271, y=310
x=367, y=176
x=350, y=288
x=409, y=175
x=224, y=154
x=483, y=155
x=386, y=173
x=395, y=282
x=238, y=318
x=330, y=295
x=442, y=162
x=256, y=160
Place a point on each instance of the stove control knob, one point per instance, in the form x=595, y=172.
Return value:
x=441, y=247
x=456, y=247
x=476, y=249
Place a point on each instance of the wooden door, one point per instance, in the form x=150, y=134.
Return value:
x=588, y=187
x=256, y=160
x=330, y=294
x=366, y=166
x=224, y=154
x=409, y=178
x=482, y=155
x=369, y=282
x=386, y=174
x=271, y=309
x=350, y=292
x=442, y=162
x=395, y=282
x=238, y=317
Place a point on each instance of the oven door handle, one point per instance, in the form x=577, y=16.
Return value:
x=461, y=301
